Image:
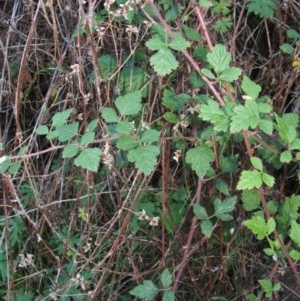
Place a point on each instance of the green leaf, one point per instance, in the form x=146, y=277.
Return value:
x=14, y=167
x=168, y=296
x=266, y=126
x=4, y=163
x=230, y=74
x=92, y=125
x=156, y=43
x=287, y=48
x=89, y=159
x=127, y=143
x=294, y=233
x=146, y=291
x=271, y=225
x=251, y=200
x=67, y=131
x=130, y=103
x=42, y=130
x=245, y=117
x=222, y=186
x=166, y=278
x=87, y=138
x=286, y=156
x=205, y=3
x=196, y=80
x=250, y=88
x=268, y=179
x=295, y=255
x=144, y=158
x=107, y=65
x=219, y=58
x=228, y=164
x=223, y=24
x=200, y=211
x=249, y=180
x=287, y=127
x=216, y=115
x=109, y=115
x=208, y=73
x=293, y=34
x=60, y=118
x=207, y=228
x=258, y=226
x=124, y=127
x=256, y=163
x=179, y=43
x=150, y=136
x=163, y=62
x=200, y=158
x=225, y=206
x=171, y=117
x=70, y=151
x=262, y=8
x=191, y=33
x=131, y=79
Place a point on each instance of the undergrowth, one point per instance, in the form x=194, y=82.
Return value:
x=149, y=150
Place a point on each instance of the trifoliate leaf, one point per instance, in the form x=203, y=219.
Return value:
x=109, y=115
x=89, y=159
x=67, y=131
x=207, y=228
x=150, y=136
x=42, y=130
x=60, y=118
x=200, y=211
x=70, y=151
x=130, y=103
x=124, y=127
x=166, y=278
x=249, y=180
x=144, y=158
x=179, y=43
x=146, y=291
x=268, y=179
x=250, y=88
x=230, y=74
x=256, y=163
x=127, y=143
x=219, y=58
x=245, y=117
x=200, y=158
x=163, y=62
x=87, y=138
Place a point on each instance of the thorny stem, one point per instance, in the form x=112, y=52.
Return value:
x=187, y=247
